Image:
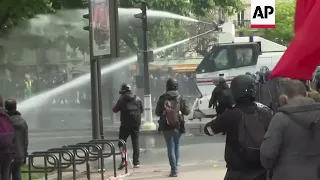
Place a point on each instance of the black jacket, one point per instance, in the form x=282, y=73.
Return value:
x=229, y=122
x=215, y=98
x=21, y=136
x=130, y=107
x=185, y=110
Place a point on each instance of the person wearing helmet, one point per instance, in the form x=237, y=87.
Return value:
x=130, y=107
x=221, y=97
x=170, y=108
x=245, y=125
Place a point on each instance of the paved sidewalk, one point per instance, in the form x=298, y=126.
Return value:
x=192, y=172
x=217, y=174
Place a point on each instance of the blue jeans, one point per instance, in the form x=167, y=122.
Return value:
x=172, y=140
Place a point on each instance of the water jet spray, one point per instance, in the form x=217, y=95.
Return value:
x=40, y=99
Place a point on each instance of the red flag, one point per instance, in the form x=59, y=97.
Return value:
x=303, y=8
x=303, y=54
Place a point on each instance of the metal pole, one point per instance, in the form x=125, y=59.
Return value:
x=149, y=124
x=94, y=99
x=94, y=83
x=114, y=48
x=145, y=48
x=101, y=130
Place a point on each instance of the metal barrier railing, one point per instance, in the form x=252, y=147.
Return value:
x=58, y=159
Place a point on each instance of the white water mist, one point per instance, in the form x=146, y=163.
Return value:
x=42, y=98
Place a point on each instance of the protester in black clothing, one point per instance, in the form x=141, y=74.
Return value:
x=21, y=139
x=241, y=163
x=172, y=133
x=221, y=97
x=130, y=107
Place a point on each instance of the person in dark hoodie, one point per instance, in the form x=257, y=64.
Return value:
x=247, y=118
x=291, y=147
x=131, y=108
x=221, y=97
x=171, y=133
x=21, y=139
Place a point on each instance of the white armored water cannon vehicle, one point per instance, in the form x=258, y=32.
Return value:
x=230, y=57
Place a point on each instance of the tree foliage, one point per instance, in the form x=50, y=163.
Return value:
x=283, y=33
x=161, y=31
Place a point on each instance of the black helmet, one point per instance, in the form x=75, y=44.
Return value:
x=243, y=87
x=124, y=88
x=172, y=84
x=248, y=73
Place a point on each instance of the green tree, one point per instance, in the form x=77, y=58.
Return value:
x=161, y=31
x=283, y=33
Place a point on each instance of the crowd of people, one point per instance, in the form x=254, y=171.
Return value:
x=274, y=141
x=13, y=140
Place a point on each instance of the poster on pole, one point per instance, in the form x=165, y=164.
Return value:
x=100, y=27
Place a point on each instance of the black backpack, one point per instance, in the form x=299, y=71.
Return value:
x=251, y=133
x=226, y=97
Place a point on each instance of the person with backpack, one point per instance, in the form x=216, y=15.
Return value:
x=221, y=97
x=291, y=147
x=131, y=108
x=21, y=138
x=245, y=125
x=171, y=108
x=6, y=143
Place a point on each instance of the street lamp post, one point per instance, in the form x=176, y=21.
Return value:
x=94, y=82
x=147, y=57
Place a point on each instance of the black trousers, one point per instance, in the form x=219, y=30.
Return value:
x=16, y=170
x=134, y=134
x=5, y=161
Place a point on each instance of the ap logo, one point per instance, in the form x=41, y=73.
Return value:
x=263, y=14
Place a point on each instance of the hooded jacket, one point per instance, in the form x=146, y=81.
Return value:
x=130, y=107
x=7, y=150
x=292, y=143
x=21, y=136
x=185, y=110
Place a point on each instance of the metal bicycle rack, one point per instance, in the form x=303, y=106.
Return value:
x=80, y=159
x=104, y=141
x=94, y=156
x=32, y=168
x=58, y=159
x=105, y=154
x=61, y=165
